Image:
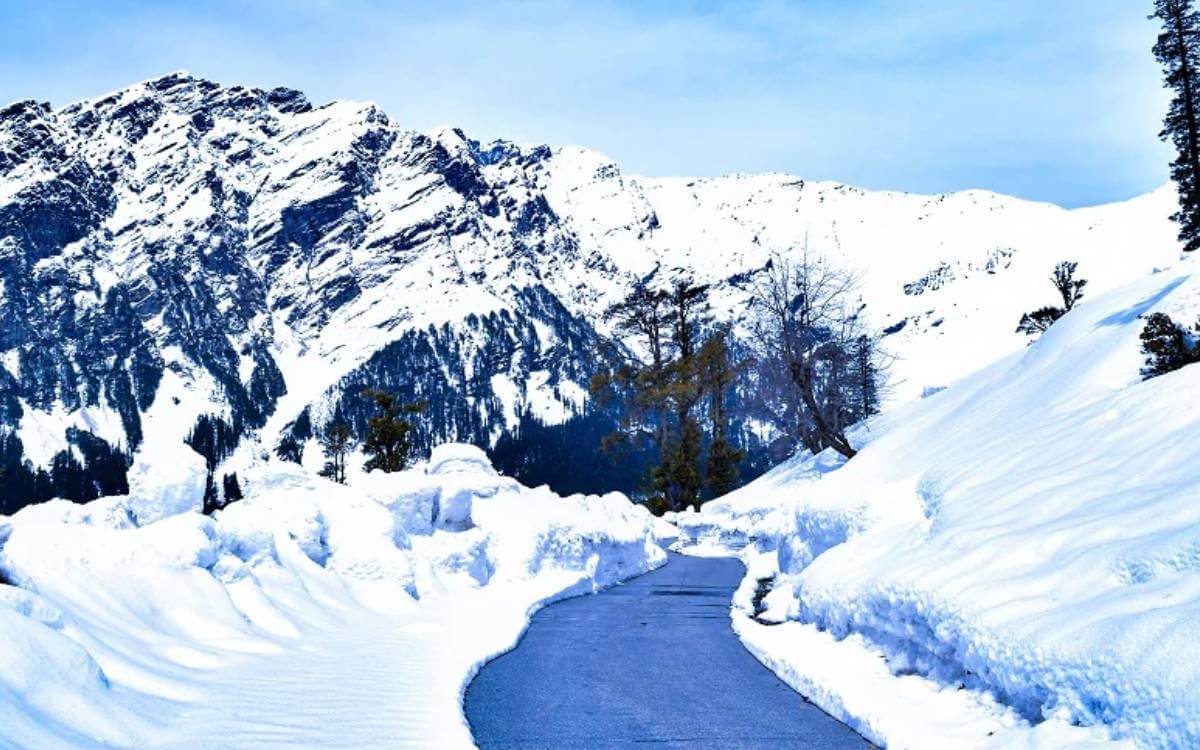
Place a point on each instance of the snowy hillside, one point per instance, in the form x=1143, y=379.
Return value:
x=1030, y=534
x=345, y=617
x=180, y=249
x=950, y=274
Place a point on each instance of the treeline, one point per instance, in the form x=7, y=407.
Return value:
x=810, y=362
x=89, y=469
x=567, y=456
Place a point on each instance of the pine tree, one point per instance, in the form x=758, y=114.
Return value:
x=660, y=391
x=688, y=313
x=723, y=474
x=389, y=436
x=684, y=464
x=717, y=375
x=643, y=315
x=1039, y=321
x=1178, y=51
x=1165, y=344
x=641, y=319
x=336, y=444
x=290, y=449
x=1070, y=289
x=212, y=502
x=232, y=489
x=864, y=377
x=642, y=322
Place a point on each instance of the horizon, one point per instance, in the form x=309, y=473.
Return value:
x=1059, y=105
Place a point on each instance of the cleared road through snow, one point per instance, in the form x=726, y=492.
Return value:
x=650, y=662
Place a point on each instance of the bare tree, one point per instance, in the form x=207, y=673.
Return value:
x=807, y=326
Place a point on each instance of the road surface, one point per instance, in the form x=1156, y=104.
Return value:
x=650, y=663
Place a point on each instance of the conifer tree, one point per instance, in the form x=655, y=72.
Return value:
x=335, y=442
x=643, y=320
x=232, y=489
x=864, y=376
x=660, y=389
x=1178, y=51
x=1165, y=344
x=389, y=435
x=681, y=465
x=717, y=374
x=290, y=449
x=212, y=502
x=1039, y=321
x=1070, y=289
x=688, y=305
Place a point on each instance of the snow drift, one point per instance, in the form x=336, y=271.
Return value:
x=1032, y=533
x=344, y=616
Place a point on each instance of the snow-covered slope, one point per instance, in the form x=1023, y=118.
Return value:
x=181, y=248
x=1030, y=533
x=950, y=274
x=308, y=615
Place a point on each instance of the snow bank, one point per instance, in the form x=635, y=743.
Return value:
x=309, y=614
x=166, y=479
x=1030, y=534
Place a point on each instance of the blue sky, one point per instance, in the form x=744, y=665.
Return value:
x=1056, y=101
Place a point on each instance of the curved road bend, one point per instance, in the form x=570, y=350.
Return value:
x=650, y=663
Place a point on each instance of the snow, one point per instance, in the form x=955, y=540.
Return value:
x=167, y=480
x=998, y=251
x=43, y=434
x=1028, y=535
x=454, y=458
x=1027, y=531
x=309, y=614
x=412, y=237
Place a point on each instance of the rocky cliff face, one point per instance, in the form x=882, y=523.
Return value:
x=182, y=257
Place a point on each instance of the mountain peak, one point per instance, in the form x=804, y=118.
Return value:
x=208, y=252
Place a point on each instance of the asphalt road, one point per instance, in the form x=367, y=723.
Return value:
x=650, y=663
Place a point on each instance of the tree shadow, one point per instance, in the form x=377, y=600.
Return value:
x=1130, y=314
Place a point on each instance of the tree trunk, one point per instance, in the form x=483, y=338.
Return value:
x=834, y=438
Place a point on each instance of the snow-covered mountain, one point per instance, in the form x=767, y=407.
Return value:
x=181, y=249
